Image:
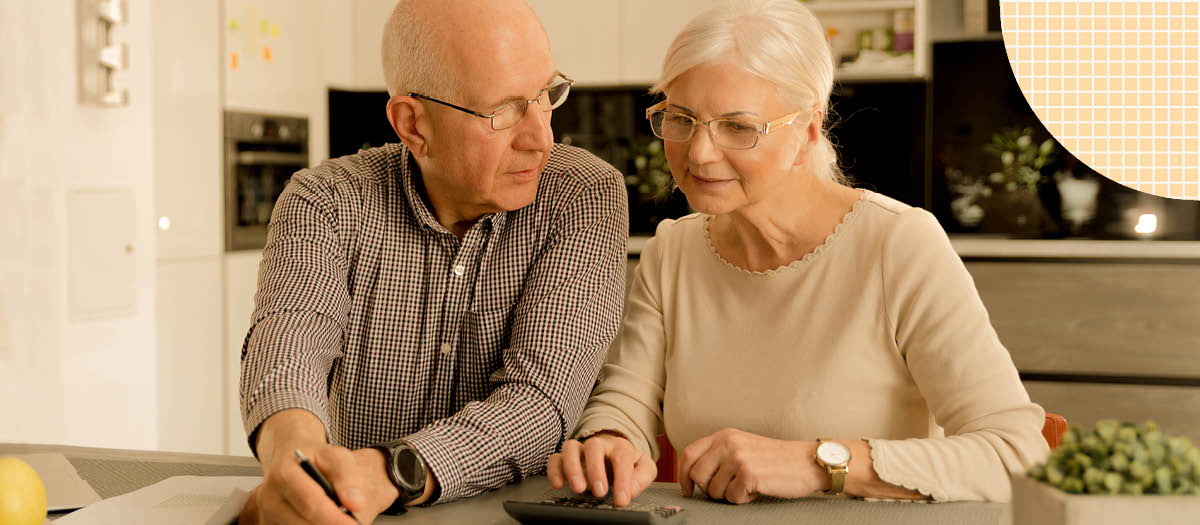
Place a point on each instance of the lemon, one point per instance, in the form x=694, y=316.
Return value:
x=22, y=495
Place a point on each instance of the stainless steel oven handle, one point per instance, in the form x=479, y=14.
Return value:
x=273, y=158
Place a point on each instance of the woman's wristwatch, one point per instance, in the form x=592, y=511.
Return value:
x=406, y=469
x=835, y=458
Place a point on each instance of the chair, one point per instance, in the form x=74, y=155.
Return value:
x=1052, y=430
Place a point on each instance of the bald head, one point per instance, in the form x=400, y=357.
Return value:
x=434, y=47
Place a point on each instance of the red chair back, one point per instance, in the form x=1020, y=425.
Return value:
x=1052, y=430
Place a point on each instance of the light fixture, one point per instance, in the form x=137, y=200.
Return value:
x=1147, y=224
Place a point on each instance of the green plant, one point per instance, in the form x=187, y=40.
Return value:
x=651, y=178
x=1122, y=458
x=1021, y=160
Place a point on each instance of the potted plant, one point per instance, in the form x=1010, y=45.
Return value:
x=652, y=195
x=1013, y=205
x=1116, y=473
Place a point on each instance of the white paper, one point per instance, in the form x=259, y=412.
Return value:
x=65, y=490
x=181, y=499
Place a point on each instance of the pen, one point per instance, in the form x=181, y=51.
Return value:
x=316, y=475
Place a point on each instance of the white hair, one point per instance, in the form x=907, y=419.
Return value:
x=413, y=57
x=778, y=40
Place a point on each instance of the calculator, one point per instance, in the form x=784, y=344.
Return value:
x=582, y=509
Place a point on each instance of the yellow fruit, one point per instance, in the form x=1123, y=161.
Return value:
x=22, y=495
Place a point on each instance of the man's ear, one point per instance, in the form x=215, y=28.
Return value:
x=408, y=119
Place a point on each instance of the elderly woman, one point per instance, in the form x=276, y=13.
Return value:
x=792, y=306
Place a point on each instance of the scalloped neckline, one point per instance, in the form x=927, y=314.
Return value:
x=829, y=239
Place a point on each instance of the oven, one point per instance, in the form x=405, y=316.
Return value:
x=261, y=154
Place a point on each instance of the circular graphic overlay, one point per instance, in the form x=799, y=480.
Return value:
x=1117, y=83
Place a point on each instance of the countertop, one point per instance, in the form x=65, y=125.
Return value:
x=980, y=247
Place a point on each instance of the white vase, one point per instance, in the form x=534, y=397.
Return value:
x=1078, y=198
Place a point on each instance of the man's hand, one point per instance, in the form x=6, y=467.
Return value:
x=289, y=495
x=738, y=466
x=585, y=465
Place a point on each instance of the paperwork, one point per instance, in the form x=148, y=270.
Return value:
x=210, y=500
x=65, y=490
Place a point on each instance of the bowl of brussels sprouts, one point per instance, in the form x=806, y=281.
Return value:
x=1114, y=473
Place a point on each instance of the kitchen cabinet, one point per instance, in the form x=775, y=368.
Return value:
x=241, y=278
x=191, y=385
x=584, y=37
x=845, y=19
x=275, y=61
x=186, y=98
x=1101, y=337
x=369, y=17
x=647, y=29
x=624, y=43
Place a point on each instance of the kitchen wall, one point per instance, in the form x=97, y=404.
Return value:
x=69, y=371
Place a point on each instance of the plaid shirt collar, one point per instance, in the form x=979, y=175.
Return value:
x=410, y=172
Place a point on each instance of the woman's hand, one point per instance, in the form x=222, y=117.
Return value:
x=738, y=466
x=584, y=465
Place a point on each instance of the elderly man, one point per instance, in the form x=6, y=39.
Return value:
x=432, y=315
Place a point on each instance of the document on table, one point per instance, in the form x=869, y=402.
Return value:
x=65, y=490
x=211, y=500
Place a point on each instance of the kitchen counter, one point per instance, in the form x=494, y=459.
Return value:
x=979, y=247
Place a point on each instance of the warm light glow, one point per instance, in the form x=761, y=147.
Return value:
x=164, y=223
x=1147, y=224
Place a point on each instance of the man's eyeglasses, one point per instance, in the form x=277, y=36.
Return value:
x=728, y=133
x=510, y=113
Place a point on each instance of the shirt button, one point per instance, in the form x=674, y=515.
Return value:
x=459, y=270
x=445, y=348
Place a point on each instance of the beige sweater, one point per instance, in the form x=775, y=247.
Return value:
x=877, y=334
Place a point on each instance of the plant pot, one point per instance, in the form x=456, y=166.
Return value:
x=1017, y=213
x=1036, y=503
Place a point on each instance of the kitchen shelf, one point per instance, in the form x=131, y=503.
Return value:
x=990, y=36
x=886, y=75
x=859, y=5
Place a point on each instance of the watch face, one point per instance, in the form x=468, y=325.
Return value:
x=833, y=453
x=410, y=469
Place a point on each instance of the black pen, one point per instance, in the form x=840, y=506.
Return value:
x=316, y=475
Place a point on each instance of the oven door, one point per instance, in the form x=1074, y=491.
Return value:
x=254, y=180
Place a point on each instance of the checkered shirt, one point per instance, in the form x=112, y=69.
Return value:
x=480, y=351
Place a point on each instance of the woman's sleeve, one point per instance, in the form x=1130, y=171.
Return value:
x=628, y=397
x=965, y=374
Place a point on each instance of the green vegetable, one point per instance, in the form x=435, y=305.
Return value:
x=1122, y=458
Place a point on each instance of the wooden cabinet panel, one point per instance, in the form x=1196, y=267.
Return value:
x=1176, y=409
x=1095, y=318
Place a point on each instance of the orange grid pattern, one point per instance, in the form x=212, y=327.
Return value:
x=1117, y=83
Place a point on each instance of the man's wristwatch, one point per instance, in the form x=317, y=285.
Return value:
x=406, y=469
x=835, y=457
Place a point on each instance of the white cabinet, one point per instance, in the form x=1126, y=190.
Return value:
x=274, y=61
x=191, y=383
x=241, y=278
x=187, y=212
x=647, y=29
x=369, y=17
x=584, y=37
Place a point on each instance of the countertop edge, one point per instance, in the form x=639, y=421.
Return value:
x=968, y=247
